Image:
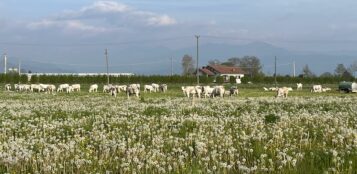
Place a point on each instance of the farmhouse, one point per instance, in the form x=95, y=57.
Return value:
x=225, y=71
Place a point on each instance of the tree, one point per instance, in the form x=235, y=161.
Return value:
x=188, y=65
x=214, y=62
x=340, y=69
x=251, y=65
x=307, y=72
x=234, y=61
x=353, y=68
x=326, y=74
x=347, y=75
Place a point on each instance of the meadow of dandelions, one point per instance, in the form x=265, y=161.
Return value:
x=100, y=134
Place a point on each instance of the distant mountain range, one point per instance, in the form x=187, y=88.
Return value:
x=156, y=60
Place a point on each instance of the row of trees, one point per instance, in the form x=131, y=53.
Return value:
x=340, y=71
x=176, y=79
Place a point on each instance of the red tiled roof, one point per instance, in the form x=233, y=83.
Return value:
x=206, y=71
x=227, y=69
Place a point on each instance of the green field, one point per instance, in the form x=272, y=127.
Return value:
x=253, y=132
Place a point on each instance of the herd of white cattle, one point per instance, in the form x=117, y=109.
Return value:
x=283, y=91
x=130, y=90
x=208, y=91
x=134, y=89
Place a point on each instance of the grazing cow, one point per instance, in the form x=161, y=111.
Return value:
x=133, y=89
x=7, y=87
x=207, y=91
x=316, y=88
x=121, y=88
x=17, y=87
x=93, y=88
x=273, y=89
x=163, y=88
x=106, y=88
x=326, y=89
x=290, y=89
x=76, y=87
x=155, y=87
x=192, y=90
x=233, y=91
x=282, y=92
x=24, y=87
x=70, y=89
x=265, y=89
x=62, y=87
x=43, y=87
x=218, y=91
x=149, y=88
x=299, y=86
x=35, y=87
x=113, y=91
x=50, y=89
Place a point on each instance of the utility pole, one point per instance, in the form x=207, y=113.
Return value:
x=19, y=67
x=294, y=68
x=275, y=74
x=106, y=58
x=5, y=63
x=197, y=75
x=172, y=71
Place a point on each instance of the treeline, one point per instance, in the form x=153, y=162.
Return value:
x=102, y=79
x=11, y=78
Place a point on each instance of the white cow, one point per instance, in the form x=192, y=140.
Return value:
x=106, y=88
x=76, y=87
x=35, y=87
x=273, y=89
x=121, y=88
x=7, y=87
x=299, y=86
x=24, y=87
x=156, y=87
x=51, y=88
x=218, y=91
x=43, y=87
x=233, y=91
x=192, y=90
x=207, y=91
x=149, y=88
x=326, y=89
x=316, y=88
x=70, y=89
x=133, y=89
x=93, y=88
x=163, y=88
x=265, y=89
x=113, y=91
x=282, y=92
x=290, y=89
x=62, y=87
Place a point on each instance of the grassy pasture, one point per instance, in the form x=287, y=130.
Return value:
x=168, y=133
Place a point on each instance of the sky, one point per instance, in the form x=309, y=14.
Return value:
x=53, y=30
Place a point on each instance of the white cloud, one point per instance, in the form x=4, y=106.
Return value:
x=110, y=15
